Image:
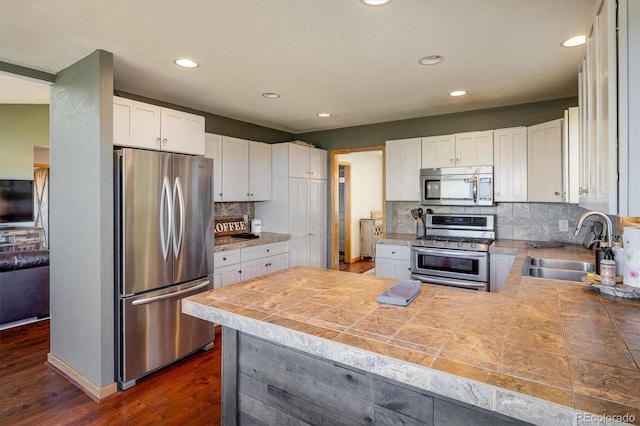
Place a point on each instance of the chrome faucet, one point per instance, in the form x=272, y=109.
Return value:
x=593, y=213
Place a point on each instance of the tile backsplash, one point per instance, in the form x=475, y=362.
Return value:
x=514, y=221
x=234, y=210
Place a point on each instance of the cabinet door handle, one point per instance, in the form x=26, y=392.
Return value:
x=556, y=193
x=220, y=194
x=224, y=258
x=583, y=191
x=393, y=252
x=268, y=250
x=164, y=141
x=158, y=141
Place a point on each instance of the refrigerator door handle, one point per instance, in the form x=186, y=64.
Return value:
x=178, y=196
x=169, y=295
x=166, y=206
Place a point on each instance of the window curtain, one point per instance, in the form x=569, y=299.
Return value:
x=41, y=193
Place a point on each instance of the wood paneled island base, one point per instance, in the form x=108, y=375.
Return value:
x=542, y=351
x=264, y=383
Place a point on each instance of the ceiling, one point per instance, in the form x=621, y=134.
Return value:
x=357, y=62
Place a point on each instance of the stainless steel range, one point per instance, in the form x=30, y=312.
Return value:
x=454, y=251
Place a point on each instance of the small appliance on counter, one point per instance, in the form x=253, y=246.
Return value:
x=256, y=225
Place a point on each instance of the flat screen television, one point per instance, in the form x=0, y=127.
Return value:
x=16, y=201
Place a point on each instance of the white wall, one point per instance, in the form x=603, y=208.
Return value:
x=366, y=191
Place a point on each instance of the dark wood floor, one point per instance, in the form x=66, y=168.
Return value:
x=186, y=393
x=358, y=267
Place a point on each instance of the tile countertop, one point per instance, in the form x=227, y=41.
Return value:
x=230, y=243
x=543, y=351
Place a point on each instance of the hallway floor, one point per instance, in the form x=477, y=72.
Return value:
x=358, y=267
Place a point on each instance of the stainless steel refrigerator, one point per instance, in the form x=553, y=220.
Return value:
x=163, y=252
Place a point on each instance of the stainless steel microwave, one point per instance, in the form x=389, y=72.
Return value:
x=457, y=186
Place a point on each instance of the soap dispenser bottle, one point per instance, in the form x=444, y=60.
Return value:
x=603, y=253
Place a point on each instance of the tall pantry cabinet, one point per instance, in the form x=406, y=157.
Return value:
x=298, y=205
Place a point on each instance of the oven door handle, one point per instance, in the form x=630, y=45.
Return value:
x=453, y=253
x=475, y=189
x=480, y=285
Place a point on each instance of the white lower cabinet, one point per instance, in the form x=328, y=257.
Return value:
x=264, y=259
x=237, y=265
x=226, y=268
x=393, y=261
x=499, y=267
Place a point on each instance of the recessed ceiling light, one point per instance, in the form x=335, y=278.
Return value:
x=375, y=2
x=575, y=41
x=324, y=114
x=186, y=63
x=430, y=60
x=271, y=95
x=458, y=93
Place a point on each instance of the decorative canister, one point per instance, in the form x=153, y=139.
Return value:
x=256, y=226
x=608, y=272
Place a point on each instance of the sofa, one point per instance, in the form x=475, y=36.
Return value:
x=24, y=285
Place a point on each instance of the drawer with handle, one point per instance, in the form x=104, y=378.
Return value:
x=228, y=257
x=264, y=250
x=393, y=252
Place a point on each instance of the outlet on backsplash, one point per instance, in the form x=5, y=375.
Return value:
x=563, y=225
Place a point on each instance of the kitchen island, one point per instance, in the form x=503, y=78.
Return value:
x=540, y=351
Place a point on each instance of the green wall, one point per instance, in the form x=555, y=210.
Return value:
x=484, y=119
x=22, y=126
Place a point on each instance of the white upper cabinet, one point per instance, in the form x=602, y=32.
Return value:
x=140, y=125
x=544, y=160
x=259, y=171
x=629, y=104
x=307, y=162
x=241, y=168
x=403, y=162
x=235, y=169
x=243, y=171
x=510, y=164
x=438, y=151
x=317, y=163
x=474, y=148
x=598, y=156
x=609, y=93
x=571, y=155
x=461, y=149
x=213, y=149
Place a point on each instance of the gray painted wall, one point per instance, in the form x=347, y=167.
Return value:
x=81, y=218
x=485, y=119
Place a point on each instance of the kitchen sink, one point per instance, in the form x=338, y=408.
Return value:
x=568, y=270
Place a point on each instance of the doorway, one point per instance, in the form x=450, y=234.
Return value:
x=357, y=190
x=344, y=211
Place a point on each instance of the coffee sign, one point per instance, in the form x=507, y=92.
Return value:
x=230, y=227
